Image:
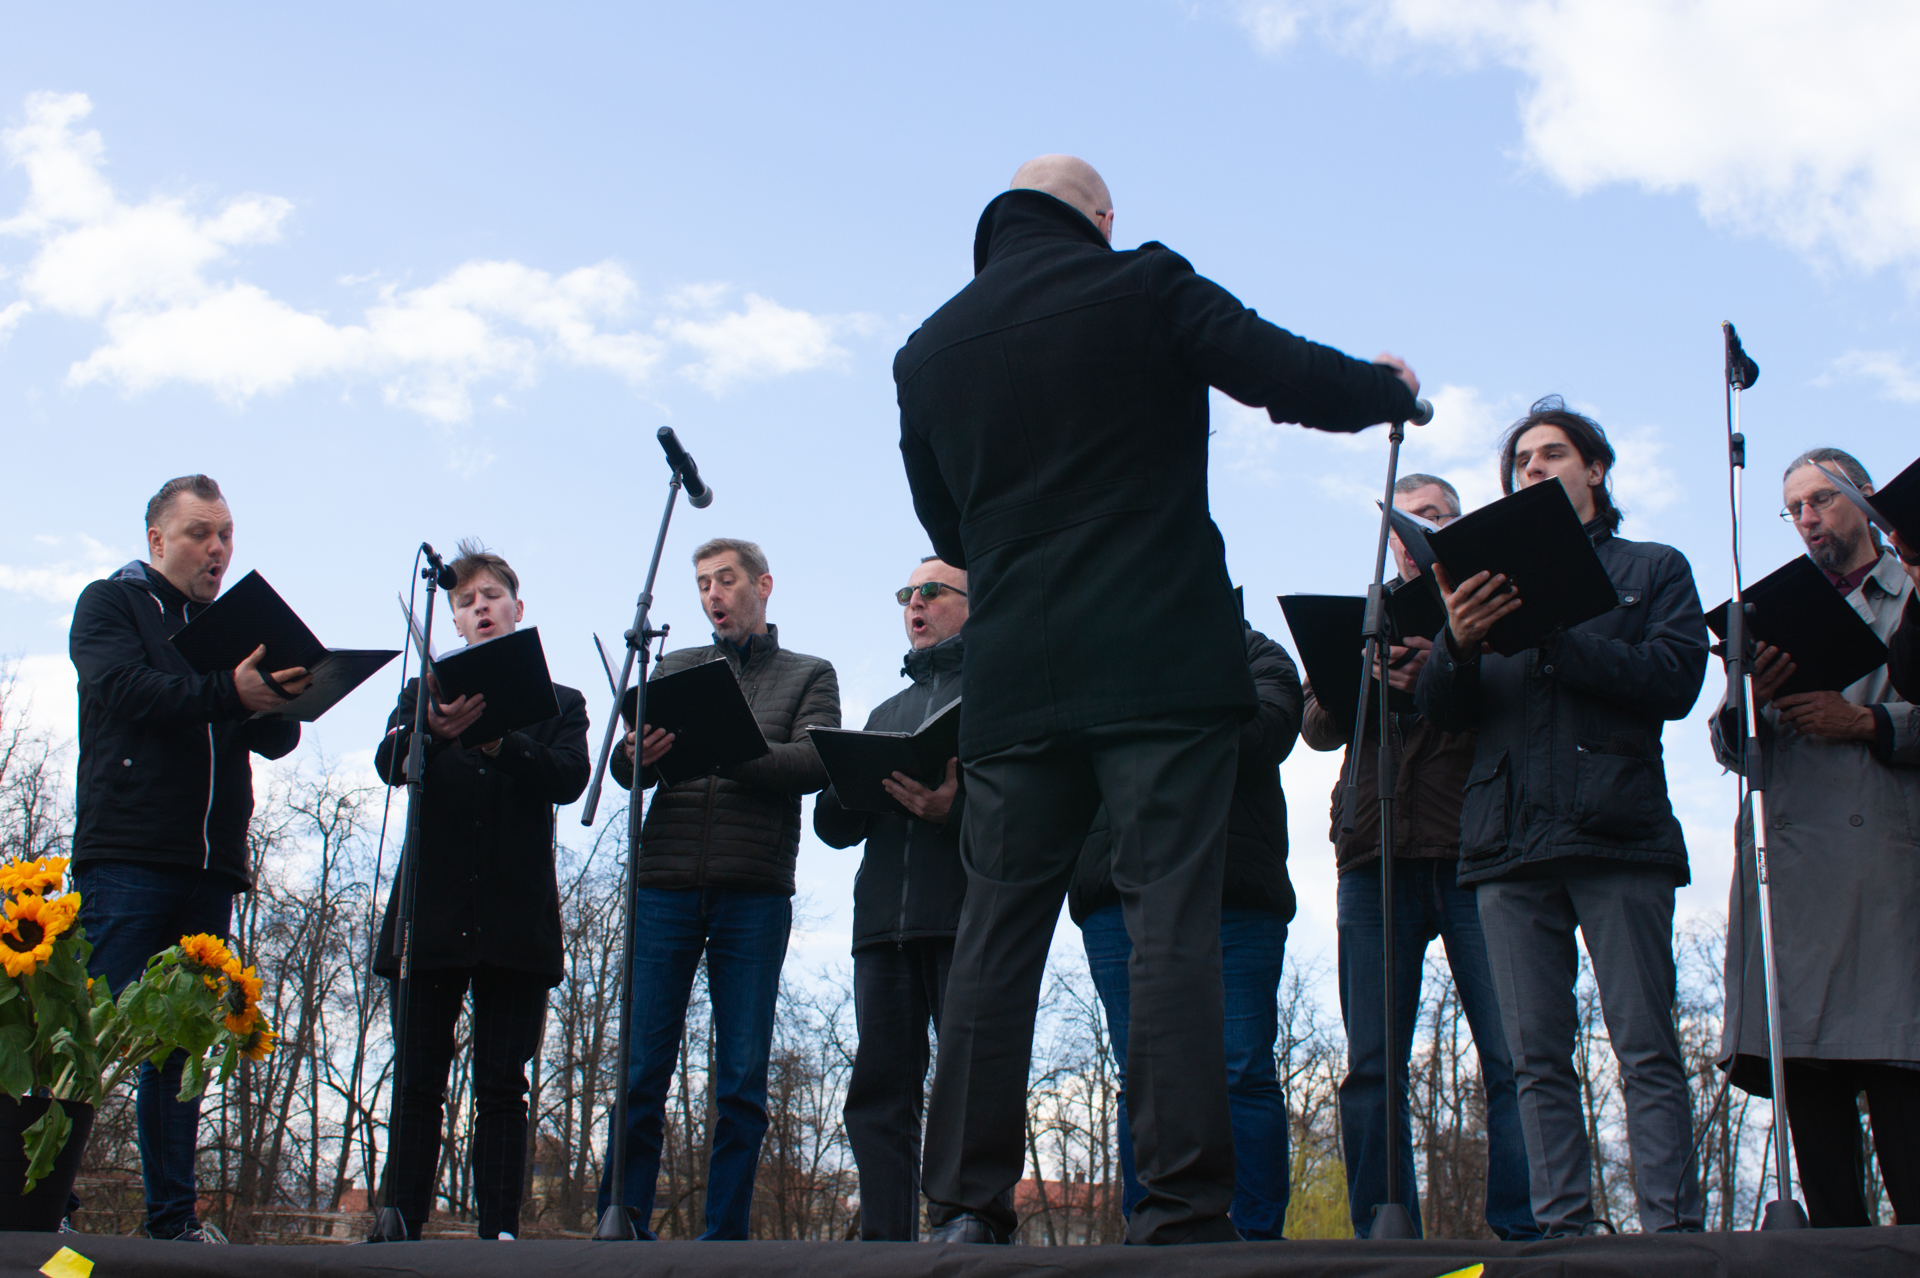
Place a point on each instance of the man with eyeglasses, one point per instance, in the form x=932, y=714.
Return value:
x=906, y=905
x=1428, y=902
x=1842, y=788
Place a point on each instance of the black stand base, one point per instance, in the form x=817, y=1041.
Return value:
x=1784, y=1213
x=1390, y=1220
x=388, y=1227
x=616, y=1225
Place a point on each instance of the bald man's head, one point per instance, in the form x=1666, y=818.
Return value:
x=1071, y=180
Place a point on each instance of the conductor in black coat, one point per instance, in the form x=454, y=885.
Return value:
x=488, y=910
x=1053, y=421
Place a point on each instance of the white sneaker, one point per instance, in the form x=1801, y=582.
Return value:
x=507, y=1237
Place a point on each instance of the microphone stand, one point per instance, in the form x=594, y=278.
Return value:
x=1390, y=1218
x=390, y=1226
x=1783, y=1212
x=616, y=1224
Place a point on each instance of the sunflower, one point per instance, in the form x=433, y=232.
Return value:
x=260, y=1043
x=31, y=927
x=207, y=955
x=242, y=999
x=32, y=877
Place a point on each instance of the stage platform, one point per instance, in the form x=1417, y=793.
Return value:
x=1855, y=1253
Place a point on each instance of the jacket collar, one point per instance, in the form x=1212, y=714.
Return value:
x=164, y=592
x=1597, y=531
x=922, y=664
x=757, y=645
x=1017, y=220
x=1887, y=574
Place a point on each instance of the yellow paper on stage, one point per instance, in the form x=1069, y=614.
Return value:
x=67, y=1263
x=1471, y=1271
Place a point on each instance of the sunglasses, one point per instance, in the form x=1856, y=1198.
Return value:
x=926, y=590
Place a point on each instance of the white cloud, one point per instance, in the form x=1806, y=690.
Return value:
x=1898, y=379
x=61, y=582
x=150, y=274
x=1800, y=122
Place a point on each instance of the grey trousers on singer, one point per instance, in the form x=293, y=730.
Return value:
x=1625, y=914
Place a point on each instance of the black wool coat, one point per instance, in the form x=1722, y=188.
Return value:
x=740, y=828
x=1053, y=422
x=1568, y=762
x=911, y=882
x=1256, y=869
x=486, y=895
x=165, y=776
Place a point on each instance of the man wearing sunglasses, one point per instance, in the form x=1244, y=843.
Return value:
x=1054, y=425
x=906, y=904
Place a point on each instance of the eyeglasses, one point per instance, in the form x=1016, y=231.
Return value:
x=1819, y=501
x=926, y=590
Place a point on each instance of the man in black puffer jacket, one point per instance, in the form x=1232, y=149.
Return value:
x=1565, y=824
x=716, y=877
x=1255, y=909
x=906, y=903
x=165, y=791
x=1053, y=422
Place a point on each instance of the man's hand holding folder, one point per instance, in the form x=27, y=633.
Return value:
x=259, y=691
x=1473, y=607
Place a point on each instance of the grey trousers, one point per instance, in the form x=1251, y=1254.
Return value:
x=1625, y=915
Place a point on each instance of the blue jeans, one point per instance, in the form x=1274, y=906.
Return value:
x=744, y=936
x=1253, y=944
x=131, y=911
x=1427, y=903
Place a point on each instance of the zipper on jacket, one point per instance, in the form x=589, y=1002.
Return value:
x=906, y=868
x=206, y=821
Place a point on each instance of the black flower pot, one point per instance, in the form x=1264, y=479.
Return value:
x=40, y=1211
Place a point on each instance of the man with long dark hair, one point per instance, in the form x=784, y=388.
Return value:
x=1566, y=825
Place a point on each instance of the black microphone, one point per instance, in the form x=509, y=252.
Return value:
x=1742, y=372
x=1422, y=413
x=435, y=571
x=697, y=492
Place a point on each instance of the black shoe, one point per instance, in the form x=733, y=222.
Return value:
x=966, y=1228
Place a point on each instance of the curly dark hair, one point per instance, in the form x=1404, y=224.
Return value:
x=1587, y=439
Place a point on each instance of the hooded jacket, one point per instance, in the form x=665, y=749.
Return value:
x=740, y=827
x=1568, y=759
x=910, y=883
x=486, y=894
x=1256, y=869
x=164, y=775
x=1053, y=424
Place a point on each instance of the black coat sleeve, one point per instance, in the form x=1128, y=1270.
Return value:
x=113, y=665
x=933, y=501
x=390, y=757
x=1662, y=673
x=554, y=763
x=1226, y=345
x=1903, y=652
x=273, y=738
x=1449, y=689
x=838, y=826
x=1268, y=738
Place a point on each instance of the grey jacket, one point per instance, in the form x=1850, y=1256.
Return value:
x=740, y=828
x=1568, y=761
x=1843, y=856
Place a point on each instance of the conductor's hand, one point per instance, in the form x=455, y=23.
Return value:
x=1771, y=668
x=658, y=742
x=1826, y=714
x=255, y=695
x=928, y=805
x=1474, y=605
x=1400, y=370
x=449, y=719
x=1404, y=664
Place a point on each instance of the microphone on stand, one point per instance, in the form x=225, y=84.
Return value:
x=436, y=571
x=1742, y=372
x=697, y=490
x=1422, y=413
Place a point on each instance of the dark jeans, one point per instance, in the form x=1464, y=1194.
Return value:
x=1427, y=903
x=1823, y=1113
x=1253, y=947
x=744, y=937
x=1624, y=913
x=509, y=1009
x=1166, y=783
x=897, y=993
x=132, y=911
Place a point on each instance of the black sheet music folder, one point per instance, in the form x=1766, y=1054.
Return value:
x=712, y=725
x=1797, y=610
x=1895, y=507
x=1327, y=635
x=1535, y=538
x=858, y=761
x=252, y=613
x=511, y=673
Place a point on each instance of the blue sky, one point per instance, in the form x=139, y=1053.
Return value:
x=441, y=271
